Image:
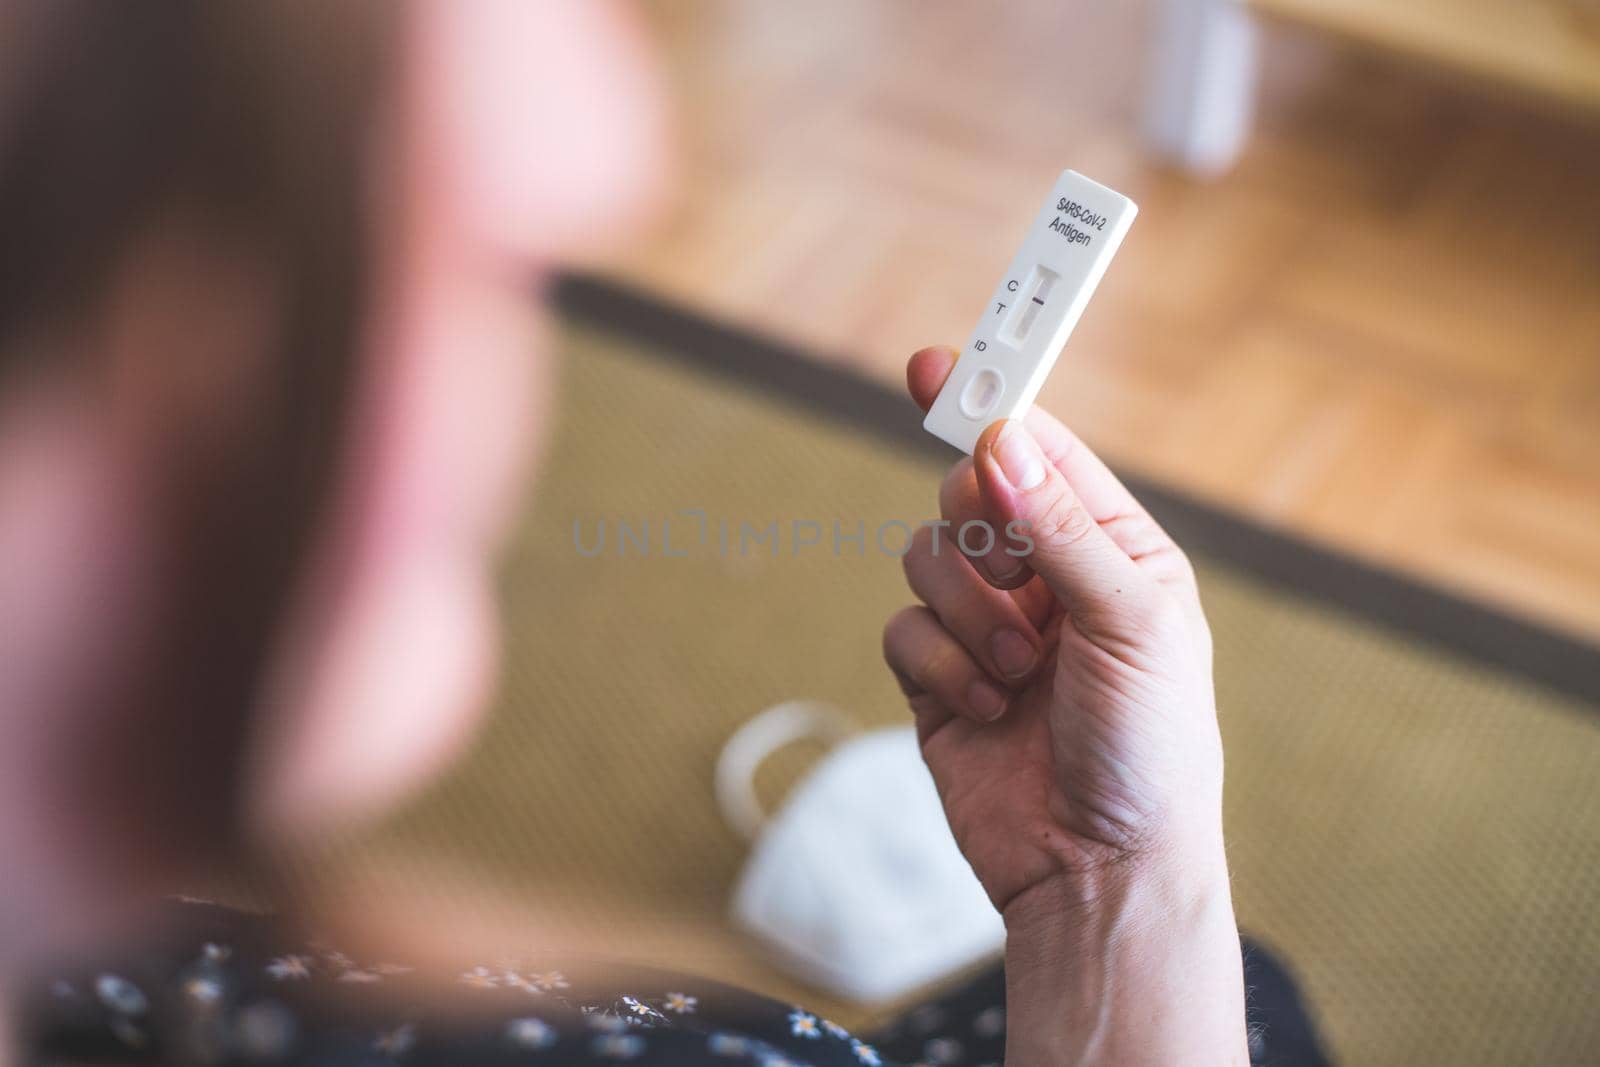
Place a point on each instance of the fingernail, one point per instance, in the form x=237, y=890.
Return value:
x=985, y=700
x=1002, y=572
x=1020, y=459
x=1013, y=653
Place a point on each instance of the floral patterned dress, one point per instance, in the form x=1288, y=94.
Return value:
x=227, y=987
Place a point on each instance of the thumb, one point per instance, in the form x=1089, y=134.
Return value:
x=1100, y=586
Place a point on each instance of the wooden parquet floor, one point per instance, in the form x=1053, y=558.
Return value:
x=1380, y=331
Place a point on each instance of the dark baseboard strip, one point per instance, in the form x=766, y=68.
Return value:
x=839, y=394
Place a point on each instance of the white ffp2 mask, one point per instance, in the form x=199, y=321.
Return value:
x=856, y=884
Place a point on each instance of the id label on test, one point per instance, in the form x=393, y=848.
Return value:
x=1034, y=308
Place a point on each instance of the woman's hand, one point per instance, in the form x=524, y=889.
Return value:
x=1064, y=704
x=1063, y=697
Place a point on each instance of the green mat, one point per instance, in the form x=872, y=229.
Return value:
x=1418, y=834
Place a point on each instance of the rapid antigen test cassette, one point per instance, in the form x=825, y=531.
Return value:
x=1033, y=310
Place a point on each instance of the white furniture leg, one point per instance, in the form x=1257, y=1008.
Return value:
x=1202, y=83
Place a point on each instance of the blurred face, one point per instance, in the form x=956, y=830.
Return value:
x=521, y=133
x=514, y=135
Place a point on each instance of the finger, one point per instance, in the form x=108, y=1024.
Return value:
x=1102, y=493
x=1038, y=605
x=987, y=622
x=1005, y=566
x=929, y=661
x=1104, y=591
x=1104, y=496
x=926, y=371
x=1117, y=510
x=1002, y=565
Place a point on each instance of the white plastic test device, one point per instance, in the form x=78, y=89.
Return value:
x=1033, y=310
